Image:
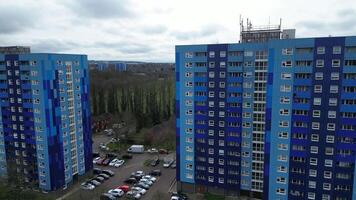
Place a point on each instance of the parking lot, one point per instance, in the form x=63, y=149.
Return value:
x=164, y=184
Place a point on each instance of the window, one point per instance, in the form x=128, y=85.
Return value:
x=283, y=123
x=332, y=102
x=313, y=161
x=287, y=51
x=283, y=135
x=312, y=184
x=284, y=112
x=319, y=63
x=285, y=88
x=314, y=138
x=320, y=50
x=319, y=76
x=334, y=76
x=211, y=74
x=330, y=139
x=314, y=149
x=222, y=64
x=284, y=100
x=211, y=64
x=318, y=89
x=286, y=76
x=331, y=126
x=248, y=53
x=211, y=54
x=335, y=63
x=312, y=172
x=222, y=54
x=286, y=64
x=336, y=49
x=326, y=186
x=189, y=54
x=331, y=114
x=328, y=163
x=317, y=101
x=334, y=89
x=315, y=125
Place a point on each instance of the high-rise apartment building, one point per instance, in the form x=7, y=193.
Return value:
x=274, y=119
x=45, y=135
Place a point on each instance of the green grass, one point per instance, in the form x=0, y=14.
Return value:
x=13, y=193
x=208, y=196
x=118, y=147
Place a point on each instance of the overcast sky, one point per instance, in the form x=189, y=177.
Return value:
x=148, y=30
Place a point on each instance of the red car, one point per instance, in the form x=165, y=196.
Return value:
x=124, y=188
x=100, y=161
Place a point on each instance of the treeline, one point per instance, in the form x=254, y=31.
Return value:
x=149, y=99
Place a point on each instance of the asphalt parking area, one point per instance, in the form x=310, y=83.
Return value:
x=161, y=188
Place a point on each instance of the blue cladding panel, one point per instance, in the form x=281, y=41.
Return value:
x=38, y=117
x=295, y=182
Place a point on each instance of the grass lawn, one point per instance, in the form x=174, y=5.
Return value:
x=209, y=196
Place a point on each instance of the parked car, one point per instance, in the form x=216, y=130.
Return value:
x=107, y=196
x=153, y=150
x=94, y=182
x=100, y=161
x=116, y=192
x=175, y=198
x=151, y=178
x=133, y=194
x=113, y=162
x=119, y=163
x=99, y=178
x=142, y=185
x=168, y=163
x=103, y=147
x=108, y=172
x=87, y=186
x=141, y=191
x=106, y=177
x=124, y=188
x=130, y=181
x=106, y=161
x=179, y=196
x=96, y=160
x=146, y=181
x=97, y=171
x=155, y=172
x=108, y=132
x=127, y=156
x=154, y=162
x=163, y=151
x=174, y=165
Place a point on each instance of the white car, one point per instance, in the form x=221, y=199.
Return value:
x=151, y=178
x=87, y=186
x=139, y=190
x=119, y=163
x=134, y=194
x=175, y=198
x=113, y=162
x=153, y=150
x=146, y=181
x=116, y=192
x=96, y=159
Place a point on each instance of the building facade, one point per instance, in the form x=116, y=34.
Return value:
x=45, y=135
x=270, y=120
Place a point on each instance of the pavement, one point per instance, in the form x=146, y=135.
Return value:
x=159, y=190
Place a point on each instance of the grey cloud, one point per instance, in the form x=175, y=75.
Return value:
x=345, y=23
x=154, y=29
x=15, y=19
x=53, y=46
x=125, y=47
x=205, y=31
x=101, y=9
